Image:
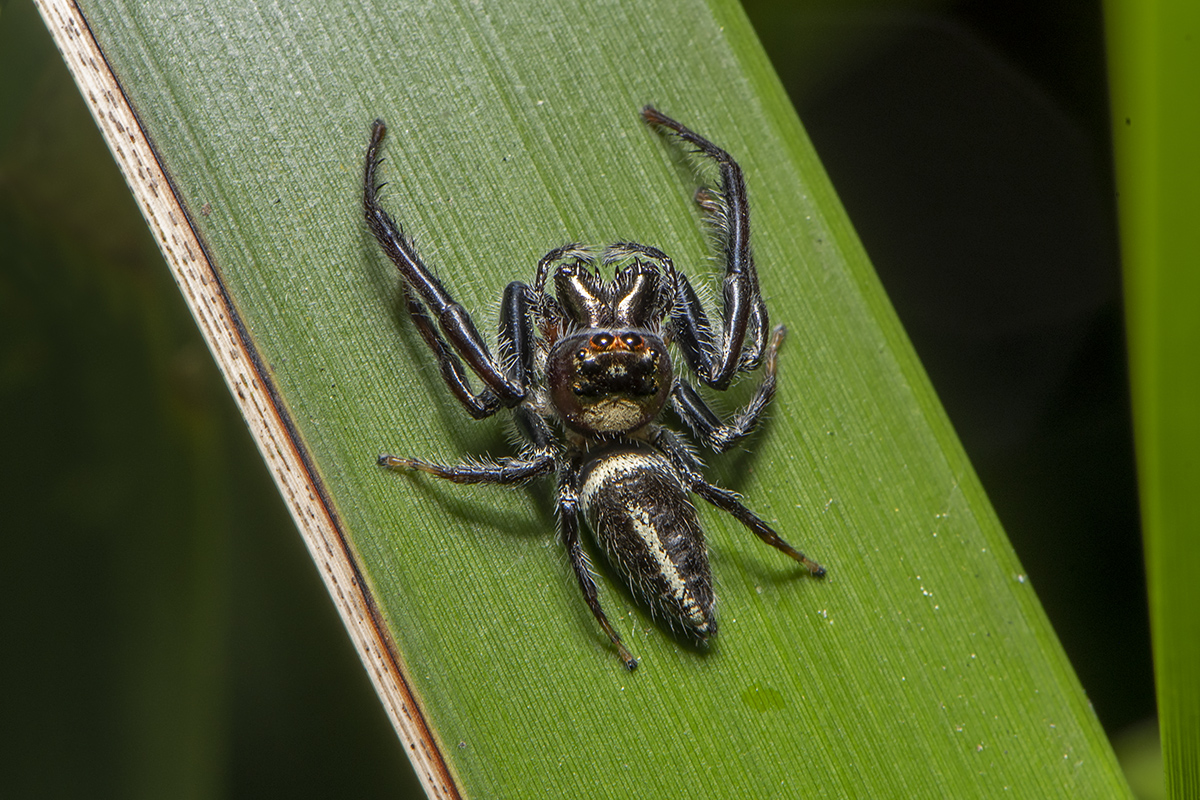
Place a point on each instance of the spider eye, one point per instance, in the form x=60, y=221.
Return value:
x=602, y=340
x=632, y=341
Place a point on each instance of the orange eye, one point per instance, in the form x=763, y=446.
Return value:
x=632, y=341
x=602, y=340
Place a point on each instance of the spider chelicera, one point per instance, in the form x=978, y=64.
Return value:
x=591, y=362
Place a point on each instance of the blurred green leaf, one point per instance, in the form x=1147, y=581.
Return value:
x=1155, y=77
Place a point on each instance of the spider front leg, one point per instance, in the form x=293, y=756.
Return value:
x=744, y=314
x=704, y=422
x=457, y=340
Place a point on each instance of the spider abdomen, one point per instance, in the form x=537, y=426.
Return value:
x=638, y=508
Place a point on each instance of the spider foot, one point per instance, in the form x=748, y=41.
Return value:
x=813, y=567
x=777, y=337
x=399, y=462
x=631, y=663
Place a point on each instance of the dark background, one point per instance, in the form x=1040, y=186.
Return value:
x=150, y=562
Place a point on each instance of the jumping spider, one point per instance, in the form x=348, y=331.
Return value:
x=592, y=359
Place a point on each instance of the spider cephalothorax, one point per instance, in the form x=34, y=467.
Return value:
x=592, y=357
x=608, y=372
